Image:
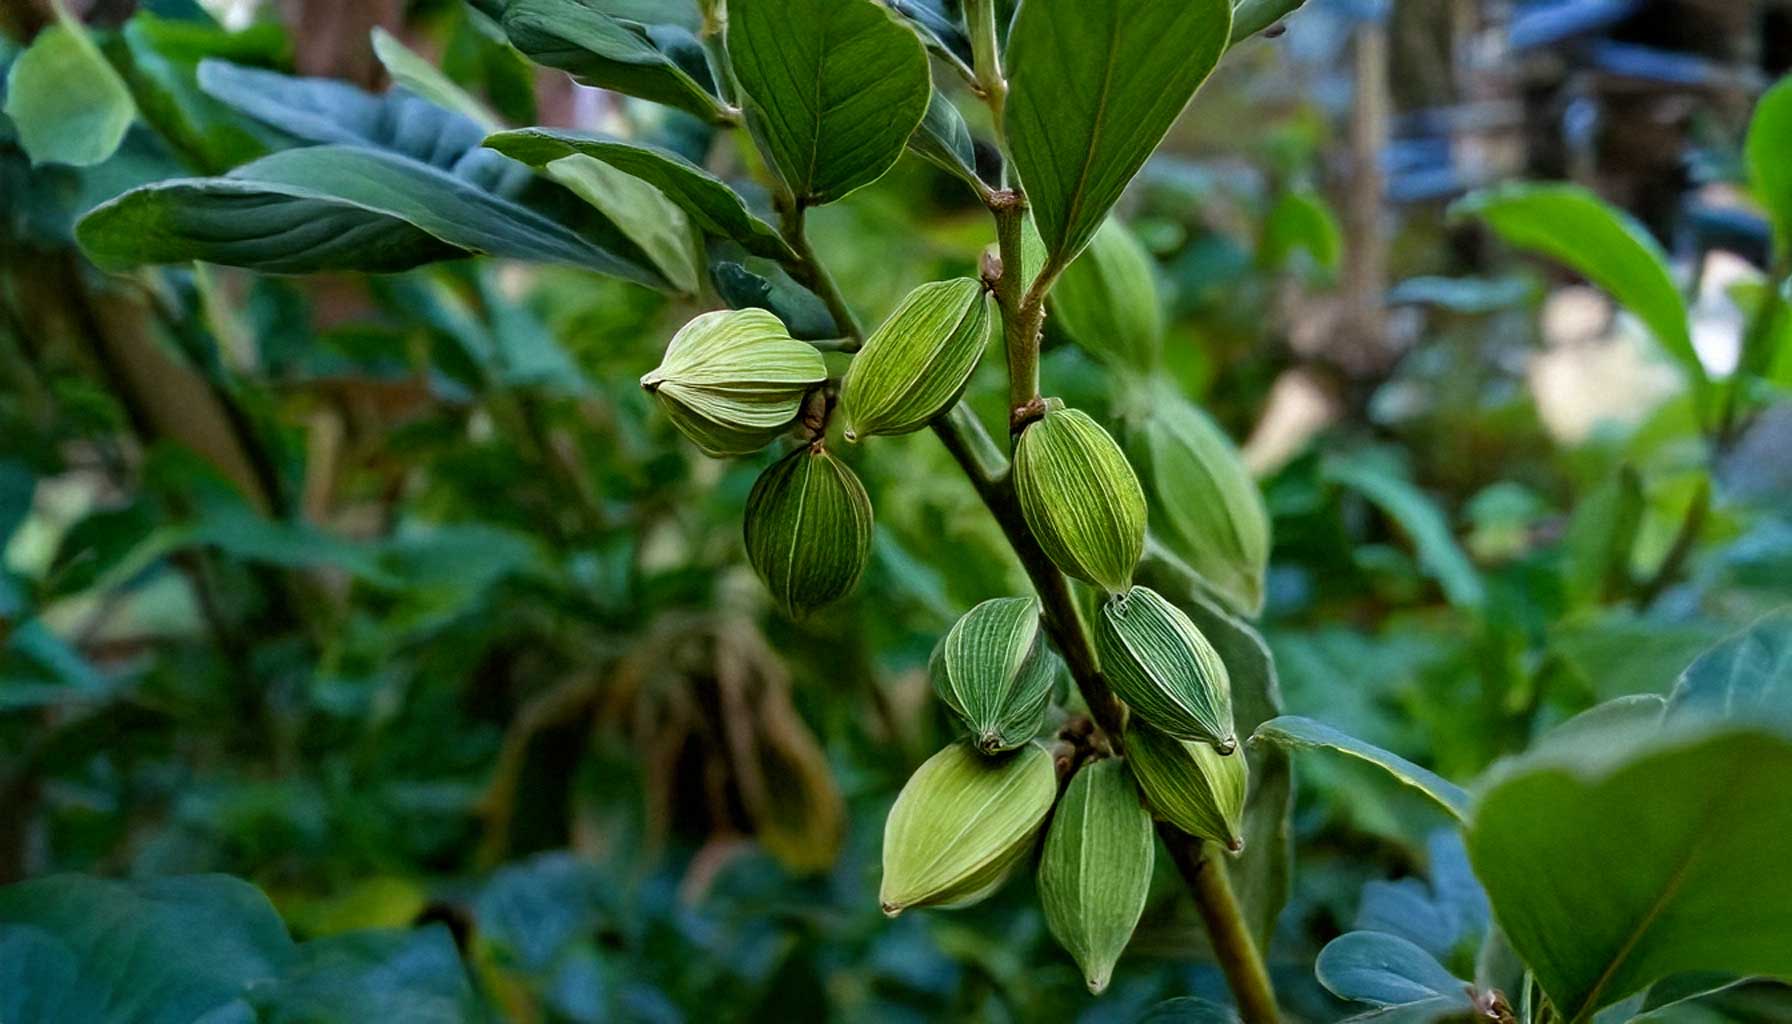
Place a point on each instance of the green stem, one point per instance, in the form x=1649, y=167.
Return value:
x=986, y=57
x=1023, y=308
x=1203, y=868
x=812, y=273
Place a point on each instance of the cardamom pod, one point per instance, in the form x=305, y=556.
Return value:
x=1211, y=511
x=808, y=529
x=1095, y=871
x=1107, y=300
x=995, y=671
x=962, y=823
x=1162, y=666
x=1190, y=785
x=1080, y=497
x=733, y=380
x=917, y=361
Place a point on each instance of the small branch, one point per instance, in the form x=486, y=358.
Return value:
x=810, y=271
x=1023, y=313
x=1205, y=872
x=980, y=16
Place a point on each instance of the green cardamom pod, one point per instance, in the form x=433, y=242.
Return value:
x=1165, y=669
x=1095, y=871
x=1080, y=497
x=1107, y=300
x=1211, y=513
x=1190, y=785
x=733, y=380
x=962, y=823
x=995, y=671
x=917, y=361
x=808, y=529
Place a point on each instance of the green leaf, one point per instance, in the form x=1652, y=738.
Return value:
x=163, y=75
x=1570, y=224
x=636, y=207
x=944, y=140
x=1188, y=1010
x=1301, y=221
x=832, y=88
x=162, y=951
x=1094, y=89
x=1297, y=733
x=1107, y=300
x=329, y=208
x=1601, y=534
x=1439, y=554
x=1250, y=17
x=415, y=977
x=1749, y=1001
x=1095, y=871
x=1655, y=858
x=40, y=980
x=67, y=103
x=1769, y=156
x=707, y=199
x=609, y=46
x=1747, y=678
x=1386, y=970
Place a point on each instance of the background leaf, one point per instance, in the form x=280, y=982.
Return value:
x=1295, y=732
x=1769, y=157
x=69, y=105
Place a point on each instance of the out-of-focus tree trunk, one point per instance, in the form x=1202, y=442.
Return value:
x=332, y=36
x=1364, y=343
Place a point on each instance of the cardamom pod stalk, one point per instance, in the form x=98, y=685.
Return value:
x=917, y=361
x=1190, y=785
x=1080, y=497
x=1095, y=871
x=962, y=823
x=1162, y=666
x=995, y=671
x=808, y=529
x=733, y=380
x=1107, y=300
x=1210, y=511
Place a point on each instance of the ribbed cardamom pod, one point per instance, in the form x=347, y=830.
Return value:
x=1165, y=669
x=1210, y=511
x=962, y=823
x=1107, y=300
x=1095, y=871
x=1190, y=785
x=917, y=361
x=995, y=671
x=733, y=380
x=1080, y=497
x=808, y=529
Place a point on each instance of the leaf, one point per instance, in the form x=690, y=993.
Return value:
x=1439, y=554
x=161, y=951
x=832, y=88
x=1445, y=918
x=1652, y=857
x=1094, y=89
x=1374, y=967
x=944, y=140
x=409, y=70
x=1250, y=17
x=749, y=282
x=1570, y=224
x=707, y=199
x=1189, y=1010
x=40, y=980
x=1601, y=534
x=163, y=75
x=1297, y=733
x=601, y=45
x=1749, y=1001
x=1747, y=678
x=1301, y=221
x=68, y=104
x=329, y=208
x=1768, y=154
x=416, y=977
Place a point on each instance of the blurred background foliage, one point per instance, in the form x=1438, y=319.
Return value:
x=394, y=596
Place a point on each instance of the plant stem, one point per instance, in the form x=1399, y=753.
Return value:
x=1023, y=312
x=986, y=57
x=812, y=273
x=1205, y=872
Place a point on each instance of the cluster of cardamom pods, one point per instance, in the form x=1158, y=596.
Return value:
x=974, y=813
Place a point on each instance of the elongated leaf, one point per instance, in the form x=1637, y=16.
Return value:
x=1375, y=967
x=1769, y=156
x=1656, y=858
x=163, y=75
x=833, y=89
x=1747, y=678
x=711, y=204
x=1094, y=89
x=329, y=207
x=1750, y=1001
x=608, y=46
x=67, y=102
x=1297, y=733
x=944, y=140
x=1606, y=245
x=411, y=71
x=1439, y=554
x=1250, y=17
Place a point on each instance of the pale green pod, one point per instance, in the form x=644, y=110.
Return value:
x=1095, y=871
x=914, y=365
x=962, y=823
x=733, y=380
x=1080, y=497
x=808, y=529
x=1210, y=510
x=1190, y=785
x=1107, y=300
x=995, y=671
x=1162, y=666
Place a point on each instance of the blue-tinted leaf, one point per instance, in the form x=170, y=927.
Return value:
x=1373, y=967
